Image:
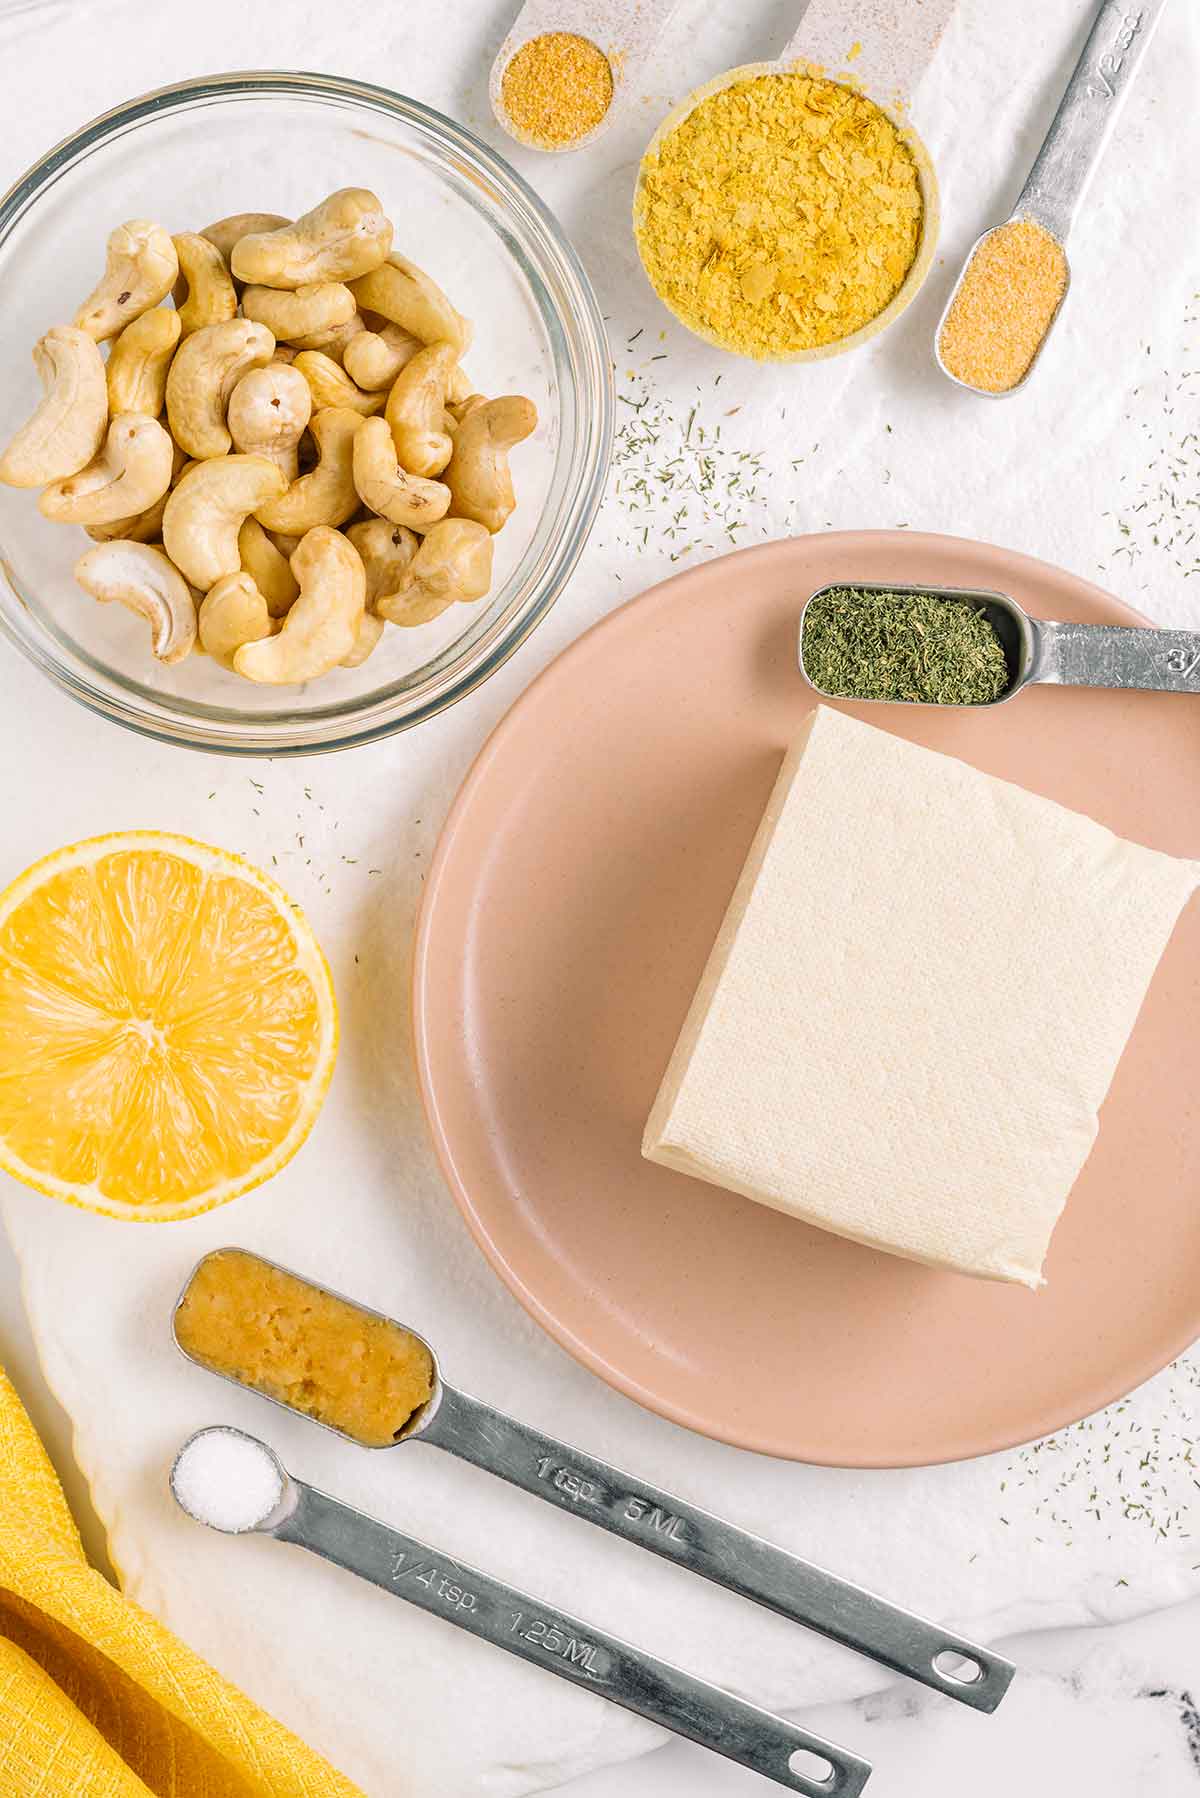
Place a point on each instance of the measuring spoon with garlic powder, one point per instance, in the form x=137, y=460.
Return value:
x=625, y=31
x=1067, y=160
x=631, y=1508
x=1039, y=651
x=234, y=1483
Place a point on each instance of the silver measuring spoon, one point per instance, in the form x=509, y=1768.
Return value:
x=291, y=1511
x=665, y=1525
x=1134, y=657
x=1066, y=162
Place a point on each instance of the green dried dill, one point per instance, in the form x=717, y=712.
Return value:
x=878, y=645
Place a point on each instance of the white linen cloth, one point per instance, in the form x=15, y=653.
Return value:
x=1093, y=467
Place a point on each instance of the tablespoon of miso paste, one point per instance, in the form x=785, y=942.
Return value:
x=1035, y=650
x=377, y=1383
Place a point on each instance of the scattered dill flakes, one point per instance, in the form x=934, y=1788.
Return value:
x=878, y=645
x=698, y=492
x=1157, y=514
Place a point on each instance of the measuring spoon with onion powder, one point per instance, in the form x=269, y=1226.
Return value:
x=293, y=1512
x=624, y=31
x=1039, y=651
x=655, y=1520
x=1066, y=162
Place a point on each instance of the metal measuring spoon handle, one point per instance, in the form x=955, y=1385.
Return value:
x=549, y=1638
x=730, y=1557
x=1087, y=113
x=1116, y=655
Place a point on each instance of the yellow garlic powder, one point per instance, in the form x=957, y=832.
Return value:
x=1006, y=302
x=781, y=214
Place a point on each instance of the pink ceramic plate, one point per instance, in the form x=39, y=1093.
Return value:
x=577, y=889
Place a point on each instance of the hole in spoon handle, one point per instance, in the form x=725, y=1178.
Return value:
x=818, y=1776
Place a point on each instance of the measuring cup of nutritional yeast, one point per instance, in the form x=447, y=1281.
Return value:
x=561, y=69
x=1015, y=281
x=961, y=646
x=377, y=1383
x=788, y=211
x=234, y=1483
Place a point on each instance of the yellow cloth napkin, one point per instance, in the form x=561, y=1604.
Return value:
x=97, y=1699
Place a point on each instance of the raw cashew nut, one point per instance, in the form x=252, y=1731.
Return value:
x=286, y=542
x=386, y=550
x=208, y=366
x=375, y=358
x=453, y=563
x=416, y=408
x=224, y=233
x=366, y=639
x=140, y=576
x=331, y=387
x=321, y=629
x=136, y=370
x=67, y=428
x=269, y=410
x=404, y=293
x=478, y=474
x=343, y=237
x=132, y=471
x=459, y=387
x=205, y=513
x=327, y=494
x=141, y=527
x=334, y=341
x=233, y=612
x=267, y=567
x=463, y=408
x=385, y=487
x=204, y=293
x=318, y=307
x=139, y=272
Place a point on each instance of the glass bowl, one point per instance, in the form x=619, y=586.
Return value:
x=278, y=142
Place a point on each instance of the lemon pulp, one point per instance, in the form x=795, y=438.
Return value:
x=167, y=1026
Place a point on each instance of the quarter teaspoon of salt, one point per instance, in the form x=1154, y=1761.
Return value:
x=226, y=1479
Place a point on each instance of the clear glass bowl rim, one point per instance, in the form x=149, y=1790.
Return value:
x=583, y=326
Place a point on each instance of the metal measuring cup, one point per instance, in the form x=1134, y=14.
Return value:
x=538, y=1633
x=675, y=1530
x=1037, y=650
x=1066, y=162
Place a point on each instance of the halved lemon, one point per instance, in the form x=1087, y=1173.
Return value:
x=168, y=1026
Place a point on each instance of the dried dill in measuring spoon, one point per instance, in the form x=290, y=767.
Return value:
x=902, y=646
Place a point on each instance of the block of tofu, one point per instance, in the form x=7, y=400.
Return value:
x=916, y=1004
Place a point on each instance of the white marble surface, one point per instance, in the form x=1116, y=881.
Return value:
x=878, y=442
x=1111, y=1712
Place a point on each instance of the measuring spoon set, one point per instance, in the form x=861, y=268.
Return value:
x=651, y=1519
x=883, y=51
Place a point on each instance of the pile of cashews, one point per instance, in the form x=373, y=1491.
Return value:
x=287, y=457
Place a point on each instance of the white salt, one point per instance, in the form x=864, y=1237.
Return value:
x=227, y=1480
